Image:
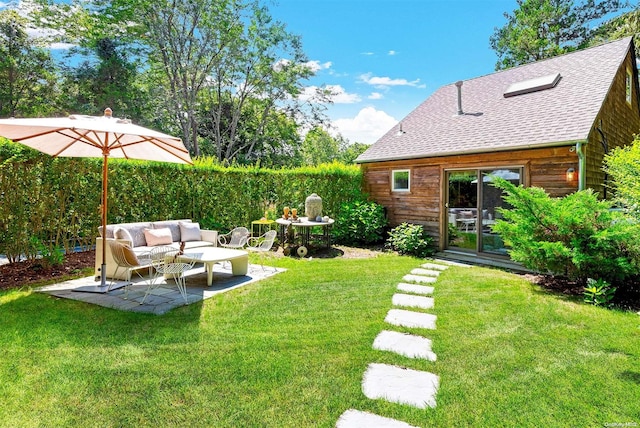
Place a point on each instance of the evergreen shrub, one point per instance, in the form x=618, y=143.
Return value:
x=360, y=223
x=577, y=236
x=57, y=200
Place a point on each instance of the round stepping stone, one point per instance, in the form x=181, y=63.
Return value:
x=400, y=385
x=425, y=272
x=358, y=419
x=419, y=278
x=412, y=301
x=415, y=288
x=404, y=344
x=411, y=319
x=435, y=266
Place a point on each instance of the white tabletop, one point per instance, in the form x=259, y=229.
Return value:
x=304, y=222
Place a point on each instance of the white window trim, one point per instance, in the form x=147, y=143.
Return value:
x=393, y=180
x=628, y=86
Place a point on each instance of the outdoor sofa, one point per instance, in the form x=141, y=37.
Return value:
x=143, y=236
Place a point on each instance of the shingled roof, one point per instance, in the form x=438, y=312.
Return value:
x=492, y=122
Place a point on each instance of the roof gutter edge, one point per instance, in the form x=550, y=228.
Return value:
x=476, y=151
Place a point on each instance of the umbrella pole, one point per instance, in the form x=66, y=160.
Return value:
x=103, y=214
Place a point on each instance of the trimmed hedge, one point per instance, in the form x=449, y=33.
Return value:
x=57, y=200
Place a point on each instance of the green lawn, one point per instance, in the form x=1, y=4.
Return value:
x=290, y=351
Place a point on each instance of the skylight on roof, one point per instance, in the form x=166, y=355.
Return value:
x=532, y=85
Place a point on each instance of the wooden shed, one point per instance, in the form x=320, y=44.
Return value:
x=546, y=124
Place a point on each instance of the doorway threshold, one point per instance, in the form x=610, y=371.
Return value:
x=482, y=260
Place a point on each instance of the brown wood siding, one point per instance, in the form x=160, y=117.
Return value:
x=422, y=204
x=618, y=120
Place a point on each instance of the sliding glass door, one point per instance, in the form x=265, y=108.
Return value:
x=472, y=204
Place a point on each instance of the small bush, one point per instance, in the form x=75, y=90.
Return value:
x=599, y=293
x=360, y=223
x=49, y=256
x=410, y=239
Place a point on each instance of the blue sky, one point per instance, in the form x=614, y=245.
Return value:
x=385, y=57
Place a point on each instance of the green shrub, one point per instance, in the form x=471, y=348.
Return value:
x=58, y=199
x=360, y=223
x=623, y=166
x=50, y=256
x=599, y=293
x=410, y=239
x=578, y=236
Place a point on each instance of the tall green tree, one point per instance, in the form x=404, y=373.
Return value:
x=540, y=29
x=205, y=61
x=319, y=147
x=107, y=79
x=271, y=140
x=27, y=72
x=627, y=24
x=350, y=151
x=260, y=74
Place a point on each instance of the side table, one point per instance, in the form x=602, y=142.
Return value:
x=263, y=226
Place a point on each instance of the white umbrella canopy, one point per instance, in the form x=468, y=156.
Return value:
x=95, y=136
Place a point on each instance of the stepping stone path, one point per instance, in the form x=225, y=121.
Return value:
x=404, y=318
x=420, y=279
x=397, y=384
x=401, y=385
x=356, y=418
x=415, y=288
x=412, y=301
x=404, y=344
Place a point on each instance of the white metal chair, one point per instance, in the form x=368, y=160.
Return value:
x=126, y=259
x=165, y=262
x=262, y=244
x=157, y=259
x=237, y=238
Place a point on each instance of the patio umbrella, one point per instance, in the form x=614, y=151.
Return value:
x=95, y=136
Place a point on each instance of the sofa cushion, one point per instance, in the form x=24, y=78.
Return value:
x=136, y=230
x=158, y=236
x=122, y=233
x=172, y=225
x=130, y=256
x=189, y=231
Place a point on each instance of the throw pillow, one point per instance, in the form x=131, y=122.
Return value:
x=158, y=237
x=189, y=232
x=130, y=256
x=122, y=233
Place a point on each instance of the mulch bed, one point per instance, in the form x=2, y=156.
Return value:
x=627, y=299
x=16, y=275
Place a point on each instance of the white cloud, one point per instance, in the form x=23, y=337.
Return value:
x=375, y=96
x=384, y=82
x=392, y=53
x=367, y=53
x=368, y=125
x=61, y=46
x=340, y=96
x=337, y=94
x=316, y=66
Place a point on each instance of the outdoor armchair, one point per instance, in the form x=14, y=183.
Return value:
x=128, y=261
x=237, y=238
x=262, y=244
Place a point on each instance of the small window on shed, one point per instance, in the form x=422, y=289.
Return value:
x=401, y=180
x=628, y=86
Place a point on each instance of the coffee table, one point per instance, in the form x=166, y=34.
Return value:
x=209, y=256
